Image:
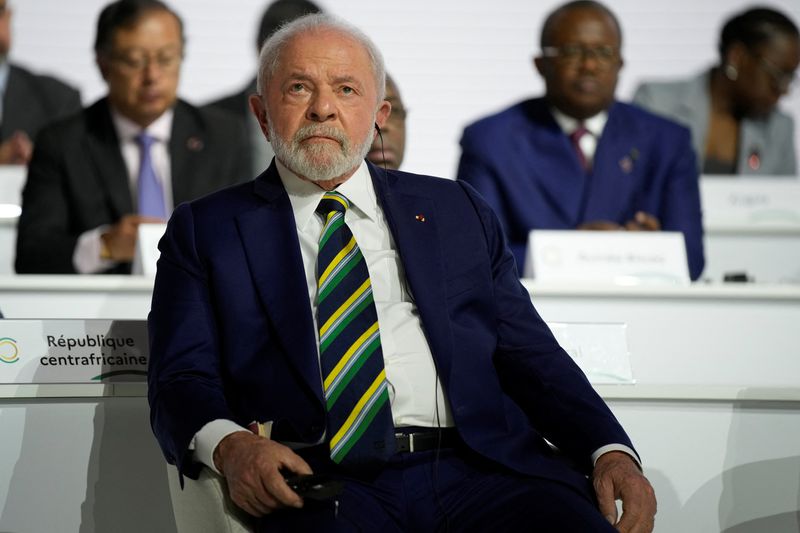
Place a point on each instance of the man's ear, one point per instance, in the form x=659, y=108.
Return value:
x=102, y=65
x=538, y=63
x=382, y=113
x=260, y=111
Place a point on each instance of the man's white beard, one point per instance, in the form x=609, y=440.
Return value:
x=318, y=161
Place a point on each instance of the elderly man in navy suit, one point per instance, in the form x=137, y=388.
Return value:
x=368, y=325
x=578, y=159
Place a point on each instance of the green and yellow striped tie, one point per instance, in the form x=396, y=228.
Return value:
x=360, y=428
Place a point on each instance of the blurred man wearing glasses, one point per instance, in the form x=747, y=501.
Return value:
x=578, y=159
x=127, y=159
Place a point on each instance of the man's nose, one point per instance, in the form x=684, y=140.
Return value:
x=322, y=107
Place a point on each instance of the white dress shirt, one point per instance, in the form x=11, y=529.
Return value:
x=86, y=256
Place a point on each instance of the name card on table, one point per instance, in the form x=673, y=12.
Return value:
x=764, y=203
x=600, y=350
x=73, y=351
x=147, y=253
x=619, y=257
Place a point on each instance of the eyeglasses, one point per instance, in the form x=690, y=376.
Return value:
x=572, y=54
x=167, y=61
x=782, y=80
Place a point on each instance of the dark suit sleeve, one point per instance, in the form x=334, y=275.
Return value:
x=680, y=209
x=185, y=388
x=475, y=168
x=44, y=242
x=534, y=370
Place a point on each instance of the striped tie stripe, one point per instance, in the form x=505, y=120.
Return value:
x=347, y=312
x=356, y=393
x=360, y=417
x=350, y=363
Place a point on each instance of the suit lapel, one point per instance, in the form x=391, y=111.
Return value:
x=269, y=235
x=185, y=143
x=412, y=220
x=560, y=178
x=617, y=169
x=103, y=148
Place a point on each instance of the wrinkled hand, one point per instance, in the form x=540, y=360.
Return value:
x=616, y=476
x=251, y=465
x=120, y=239
x=16, y=150
x=643, y=222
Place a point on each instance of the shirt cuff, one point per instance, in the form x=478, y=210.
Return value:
x=86, y=256
x=208, y=438
x=616, y=448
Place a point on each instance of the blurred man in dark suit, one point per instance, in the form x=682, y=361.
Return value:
x=127, y=159
x=576, y=158
x=278, y=13
x=29, y=101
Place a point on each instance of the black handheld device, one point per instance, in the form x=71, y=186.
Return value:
x=315, y=486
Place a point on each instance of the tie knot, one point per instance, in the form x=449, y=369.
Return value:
x=332, y=201
x=145, y=140
x=578, y=133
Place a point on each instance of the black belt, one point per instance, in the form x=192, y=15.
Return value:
x=424, y=439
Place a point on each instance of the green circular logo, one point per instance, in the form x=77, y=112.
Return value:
x=9, y=353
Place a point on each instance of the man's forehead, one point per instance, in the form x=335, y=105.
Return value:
x=340, y=55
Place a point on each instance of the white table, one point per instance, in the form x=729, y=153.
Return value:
x=714, y=412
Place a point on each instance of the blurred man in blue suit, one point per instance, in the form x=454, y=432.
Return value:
x=578, y=159
x=451, y=391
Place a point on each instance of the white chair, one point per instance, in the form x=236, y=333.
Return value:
x=203, y=505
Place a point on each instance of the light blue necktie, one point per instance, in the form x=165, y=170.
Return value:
x=151, y=194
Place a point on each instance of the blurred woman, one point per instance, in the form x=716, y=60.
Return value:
x=731, y=108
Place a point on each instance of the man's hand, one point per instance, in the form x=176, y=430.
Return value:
x=120, y=239
x=251, y=465
x=16, y=150
x=616, y=476
x=643, y=222
x=599, y=225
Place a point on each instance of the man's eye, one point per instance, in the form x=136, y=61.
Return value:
x=347, y=90
x=297, y=87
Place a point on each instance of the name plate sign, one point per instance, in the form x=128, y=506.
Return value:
x=600, y=350
x=762, y=203
x=618, y=257
x=146, y=254
x=73, y=351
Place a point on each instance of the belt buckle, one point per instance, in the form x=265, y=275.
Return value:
x=411, y=442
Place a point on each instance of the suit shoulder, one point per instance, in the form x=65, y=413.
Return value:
x=502, y=122
x=235, y=104
x=649, y=121
x=218, y=124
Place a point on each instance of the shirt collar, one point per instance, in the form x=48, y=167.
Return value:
x=305, y=196
x=568, y=124
x=127, y=130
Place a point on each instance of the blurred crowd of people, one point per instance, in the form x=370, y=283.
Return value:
x=573, y=158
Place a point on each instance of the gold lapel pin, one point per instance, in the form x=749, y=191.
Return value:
x=420, y=218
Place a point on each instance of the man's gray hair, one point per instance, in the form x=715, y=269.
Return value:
x=273, y=47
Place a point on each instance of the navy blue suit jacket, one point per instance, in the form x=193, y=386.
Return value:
x=232, y=334
x=525, y=167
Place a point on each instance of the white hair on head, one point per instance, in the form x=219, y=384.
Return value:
x=273, y=47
